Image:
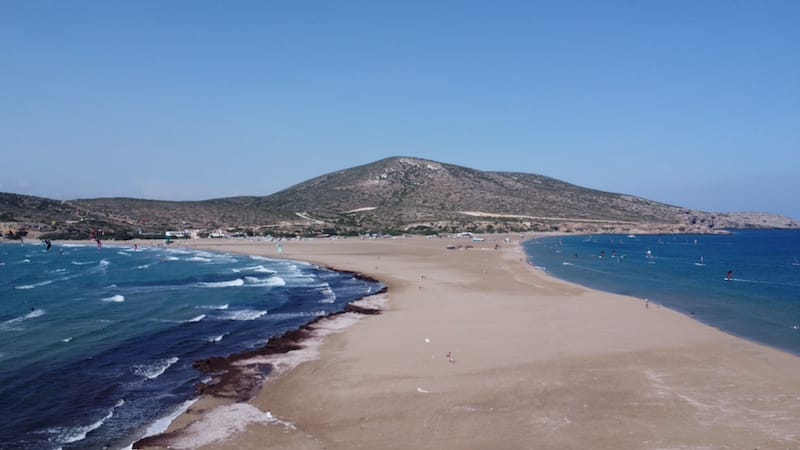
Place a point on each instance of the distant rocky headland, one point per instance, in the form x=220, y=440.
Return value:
x=391, y=196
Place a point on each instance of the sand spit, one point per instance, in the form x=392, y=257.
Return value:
x=481, y=350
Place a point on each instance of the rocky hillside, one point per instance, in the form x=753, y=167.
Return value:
x=415, y=194
x=392, y=195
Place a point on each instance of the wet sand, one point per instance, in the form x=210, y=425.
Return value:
x=534, y=363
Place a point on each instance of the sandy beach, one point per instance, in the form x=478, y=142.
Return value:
x=476, y=349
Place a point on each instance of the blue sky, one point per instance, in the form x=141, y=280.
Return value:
x=692, y=103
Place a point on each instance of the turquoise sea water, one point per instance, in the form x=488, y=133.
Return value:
x=97, y=344
x=689, y=273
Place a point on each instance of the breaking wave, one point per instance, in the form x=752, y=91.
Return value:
x=221, y=284
x=154, y=369
x=10, y=324
x=35, y=285
x=264, y=282
x=245, y=314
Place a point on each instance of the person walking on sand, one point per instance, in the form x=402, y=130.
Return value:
x=451, y=358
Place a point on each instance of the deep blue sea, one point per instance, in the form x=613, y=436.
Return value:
x=689, y=273
x=95, y=345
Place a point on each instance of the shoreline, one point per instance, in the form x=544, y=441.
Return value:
x=668, y=301
x=237, y=377
x=596, y=362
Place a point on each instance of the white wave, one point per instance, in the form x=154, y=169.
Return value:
x=144, y=266
x=82, y=263
x=300, y=279
x=26, y=260
x=198, y=259
x=66, y=340
x=35, y=285
x=245, y=314
x=75, y=434
x=295, y=272
x=261, y=258
x=196, y=319
x=215, y=338
x=115, y=298
x=264, y=282
x=276, y=281
x=161, y=425
x=171, y=258
x=259, y=268
x=154, y=369
x=9, y=324
x=124, y=253
x=69, y=277
x=221, y=284
x=225, y=306
x=179, y=251
x=104, y=263
x=328, y=295
x=60, y=270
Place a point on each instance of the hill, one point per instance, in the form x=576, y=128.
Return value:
x=396, y=194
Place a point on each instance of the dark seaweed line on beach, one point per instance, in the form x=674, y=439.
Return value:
x=241, y=383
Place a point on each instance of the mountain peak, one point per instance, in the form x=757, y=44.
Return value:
x=399, y=193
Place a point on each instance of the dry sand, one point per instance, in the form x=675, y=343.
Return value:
x=539, y=364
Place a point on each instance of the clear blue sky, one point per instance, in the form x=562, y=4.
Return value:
x=693, y=103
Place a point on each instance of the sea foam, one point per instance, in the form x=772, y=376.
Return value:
x=222, y=284
x=161, y=425
x=223, y=421
x=154, y=369
x=245, y=314
x=35, y=285
x=217, y=338
x=75, y=434
x=224, y=306
x=196, y=319
x=328, y=295
x=10, y=325
x=275, y=281
x=199, y=259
